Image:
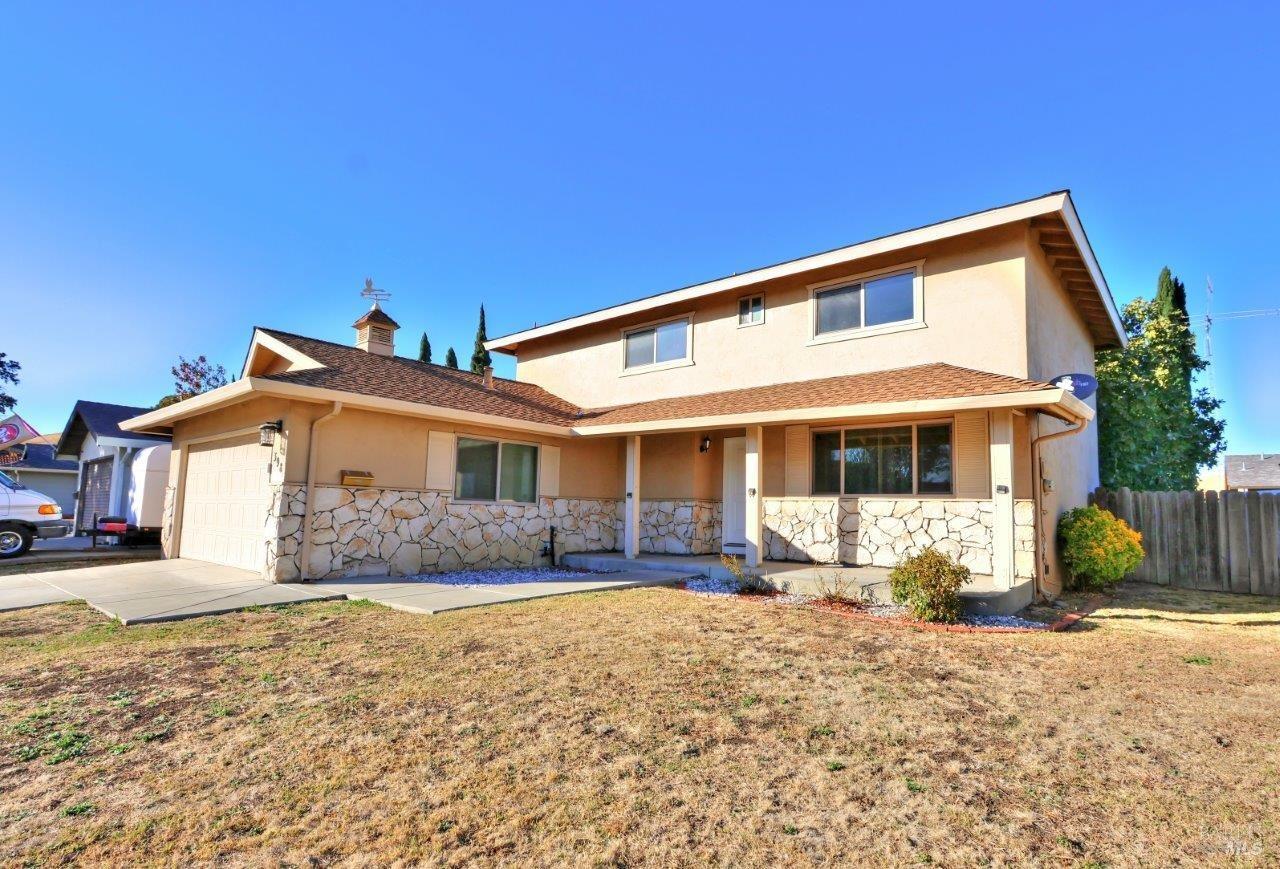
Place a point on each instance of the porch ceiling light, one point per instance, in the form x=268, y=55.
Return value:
x=267, y=432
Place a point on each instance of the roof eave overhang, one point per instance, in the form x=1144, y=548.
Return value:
x=160, y=421
x=1053, y=203
x=128, y=443
x=1058, y=402
x=1081, y=239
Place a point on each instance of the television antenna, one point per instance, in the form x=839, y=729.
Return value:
x=1208, y=318
x=372, y=292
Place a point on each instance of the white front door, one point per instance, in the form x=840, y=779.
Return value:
x=733, y=509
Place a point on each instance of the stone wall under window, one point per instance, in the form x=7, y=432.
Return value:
x=403, y=532
x=378, y=532
x=881, y=531
x=890, y=529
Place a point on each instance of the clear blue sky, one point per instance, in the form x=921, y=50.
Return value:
x=172, y=174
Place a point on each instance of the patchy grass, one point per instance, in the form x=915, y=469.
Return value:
x=646, y=727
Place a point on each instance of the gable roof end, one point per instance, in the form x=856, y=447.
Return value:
x=1092, y=285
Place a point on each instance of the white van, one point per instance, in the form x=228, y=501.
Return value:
x=25, y=514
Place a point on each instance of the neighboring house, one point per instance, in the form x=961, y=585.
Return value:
x=105, y=456
x=851, y=406
x=34, y=465
x=1252, y=473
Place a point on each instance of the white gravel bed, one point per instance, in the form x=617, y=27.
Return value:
x=1001, y=622
x=711, y=586
x=503, y=576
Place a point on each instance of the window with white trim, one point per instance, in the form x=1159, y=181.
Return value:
x=913, y=459
x=751, y=310
x=882, y=300
x=657, y=344
x=490, y=470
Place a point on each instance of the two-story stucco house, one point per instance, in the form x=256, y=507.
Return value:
x=846, y=407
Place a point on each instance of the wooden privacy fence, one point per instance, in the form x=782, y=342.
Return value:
x=1215, y=541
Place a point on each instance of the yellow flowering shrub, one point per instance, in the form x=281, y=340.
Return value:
x=1098, y=548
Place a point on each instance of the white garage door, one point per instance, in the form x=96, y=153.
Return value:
x=224, y=509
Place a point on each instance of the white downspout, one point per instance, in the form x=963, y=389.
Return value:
x=1037, y=495
x=313, y=456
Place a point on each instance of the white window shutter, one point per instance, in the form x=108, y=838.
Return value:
x=549, y=473
x=797, y=461
x=440, y=458
x=973, y=457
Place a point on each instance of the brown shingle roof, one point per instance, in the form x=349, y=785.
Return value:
x=1257, y=471
x=377, y=317
x=349, y=369
x=918, y=383
x=352, y=370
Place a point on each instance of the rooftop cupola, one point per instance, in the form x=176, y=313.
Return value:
x=375, y=331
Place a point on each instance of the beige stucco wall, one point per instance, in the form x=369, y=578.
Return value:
x=1058, y=342
x=393, y=448
x=974, y=310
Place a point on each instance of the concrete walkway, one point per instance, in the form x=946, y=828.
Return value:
x=155, y=591
x=160, y=591
x=435, y=597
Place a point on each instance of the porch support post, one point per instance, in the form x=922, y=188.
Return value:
x=631, y=504
x=754, y=482
x=1002, y=495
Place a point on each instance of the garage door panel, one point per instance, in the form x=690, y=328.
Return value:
x=225, y=503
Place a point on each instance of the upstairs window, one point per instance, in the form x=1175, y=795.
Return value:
x=867, y=303
x=751, y=311
x=886, y=460
x=658, y=344
x=496, y=471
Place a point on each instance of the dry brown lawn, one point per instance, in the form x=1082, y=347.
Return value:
x=647, y=727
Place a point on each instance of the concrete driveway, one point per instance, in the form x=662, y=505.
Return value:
x=159, y=591
x=155, y=591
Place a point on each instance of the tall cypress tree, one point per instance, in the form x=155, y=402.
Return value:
x=480, y=358
x=451, y=358
x=1171, y=302
x=424, y=349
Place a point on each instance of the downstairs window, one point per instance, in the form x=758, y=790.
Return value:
x=489, y=470
x=884, y=460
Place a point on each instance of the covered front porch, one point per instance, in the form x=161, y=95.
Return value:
x=859, y=470
x=857, y=494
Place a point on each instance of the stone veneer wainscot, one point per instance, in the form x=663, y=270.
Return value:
x=401, y=532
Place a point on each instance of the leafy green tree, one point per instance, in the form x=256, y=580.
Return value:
x=480, y=358
x=451, y=358
x=1154, y=430
x=8, y=374
x=424, y=349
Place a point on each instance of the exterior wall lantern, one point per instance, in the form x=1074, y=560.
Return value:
x=704, y=445
x=267, y=433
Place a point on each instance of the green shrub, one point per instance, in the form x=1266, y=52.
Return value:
x=928, y=585
x=1098, y=548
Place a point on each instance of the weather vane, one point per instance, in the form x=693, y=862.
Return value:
x=372, y=292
